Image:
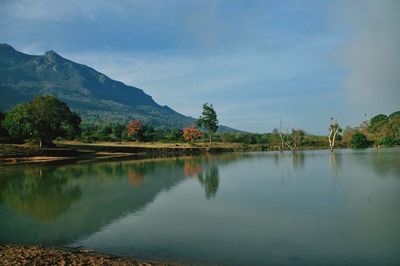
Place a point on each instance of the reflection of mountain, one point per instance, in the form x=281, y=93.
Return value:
x=56, y=205
x=105, y=195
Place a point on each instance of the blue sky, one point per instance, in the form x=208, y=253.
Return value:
x=256, y=61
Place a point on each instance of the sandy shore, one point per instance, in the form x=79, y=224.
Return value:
x=42, y=255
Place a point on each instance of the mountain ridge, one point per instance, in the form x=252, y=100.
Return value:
x=92, y=94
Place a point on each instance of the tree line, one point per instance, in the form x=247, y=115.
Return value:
x=46, y=118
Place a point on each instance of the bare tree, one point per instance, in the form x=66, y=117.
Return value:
x=278, y=133
x=294, y=139
x=334, y=128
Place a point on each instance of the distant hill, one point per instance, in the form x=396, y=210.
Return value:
x=93, y=95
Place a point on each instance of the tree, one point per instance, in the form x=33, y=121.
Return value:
x=3, y=131
x=135, y=129
x=43, y=119
x=334, y=128
x=394, y=125
x=16, y=122
x=295, y=139
x=377, y=123
x=359, y=140
x=191, y=133
x=208, y=120
x=388, y=141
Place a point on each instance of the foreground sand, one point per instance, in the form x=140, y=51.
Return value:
x=41, y=255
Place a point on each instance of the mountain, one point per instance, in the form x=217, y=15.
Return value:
x=93, y=95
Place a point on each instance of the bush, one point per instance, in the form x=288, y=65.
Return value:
x=359, y=140
x=388, y=141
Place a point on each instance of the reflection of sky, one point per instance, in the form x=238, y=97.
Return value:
x=255, y=218
x=255, y=61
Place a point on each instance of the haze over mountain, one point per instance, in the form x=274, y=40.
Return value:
x=93, y=95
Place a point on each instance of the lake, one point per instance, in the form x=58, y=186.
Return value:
x=308, y=208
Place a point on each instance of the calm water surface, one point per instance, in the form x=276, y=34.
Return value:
x=310, y=208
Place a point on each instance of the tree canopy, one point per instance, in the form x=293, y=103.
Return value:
x=377, y=122
x=208, y=120
x=43, y=119
x=359, y=140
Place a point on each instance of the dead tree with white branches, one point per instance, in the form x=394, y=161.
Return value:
x=334, y=128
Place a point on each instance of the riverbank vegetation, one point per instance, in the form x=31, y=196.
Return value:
x=46, y=119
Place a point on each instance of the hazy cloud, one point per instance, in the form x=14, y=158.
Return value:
x=372, y=55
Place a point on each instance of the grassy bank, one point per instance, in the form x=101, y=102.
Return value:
x=73, y=150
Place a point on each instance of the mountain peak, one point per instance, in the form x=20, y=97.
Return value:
x=6, y=47
x=52, y=54
x=92, y=94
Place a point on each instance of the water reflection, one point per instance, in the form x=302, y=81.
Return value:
x=206, y=171
x=40, y=193
x=94, y=193
x=210, y=180
x=335, y=162
x=165, y=207
x=135, y=177
x=298, y=160
x=385, y=163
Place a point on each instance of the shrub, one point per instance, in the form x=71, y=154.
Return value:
x=359, y=140
x=388, y=141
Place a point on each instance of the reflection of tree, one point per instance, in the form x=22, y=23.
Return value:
x=135, y=177
x=192, y=167
x=138, y=170
x=43, y=197
x=298, y=160
x=384, y=162
x=334, y=166
x=209, y=178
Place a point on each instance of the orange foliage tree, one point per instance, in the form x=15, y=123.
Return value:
x=191, y=133
x=135, y=129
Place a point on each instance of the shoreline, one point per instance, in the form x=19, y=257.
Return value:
x=51, y=255
x=65, y=152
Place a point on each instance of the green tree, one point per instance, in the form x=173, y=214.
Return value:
x=17, y=122
x=388, y=141
x=377, y=123
x=208, y=120
x=394, y=115
x=3, y=131
x=43, y=119
x=394, y=125
x=359, y=140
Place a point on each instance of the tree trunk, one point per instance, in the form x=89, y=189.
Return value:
x=40, y=143
x=209, y=135
x=282, y=147
x=333, y=138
